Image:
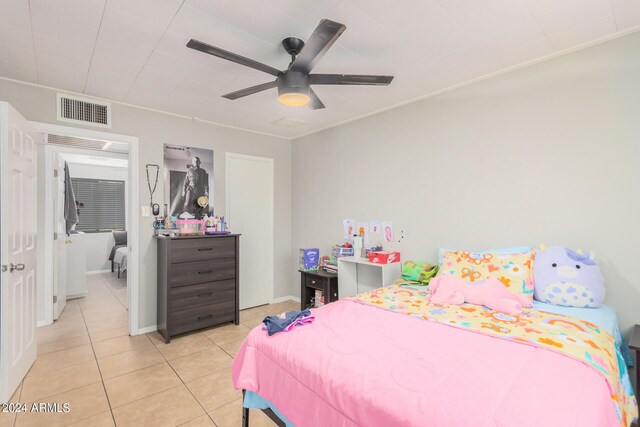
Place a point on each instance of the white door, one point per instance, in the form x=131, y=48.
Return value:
x=18, y=250
x=60, y=238
x=250, y=213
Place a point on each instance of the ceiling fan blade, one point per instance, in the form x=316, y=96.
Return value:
x=250, y=90
x=323, y=37
x=229, y=56
x=315, y=103
x=349, y=79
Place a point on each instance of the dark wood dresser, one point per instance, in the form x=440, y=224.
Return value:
x=198, y=282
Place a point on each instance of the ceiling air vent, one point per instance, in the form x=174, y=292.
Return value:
x=84, y=110
x=70, y=141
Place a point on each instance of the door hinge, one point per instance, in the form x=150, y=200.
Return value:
x=55, y=236
x=55, y=173
x=55, y=299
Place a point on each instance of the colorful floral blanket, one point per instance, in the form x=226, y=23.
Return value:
x=575, y=338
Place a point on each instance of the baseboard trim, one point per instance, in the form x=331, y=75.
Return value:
x=146, y=330
x=42, y=323
x=99, y=271
x=285, y=298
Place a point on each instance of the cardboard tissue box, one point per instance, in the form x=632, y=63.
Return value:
x=384, y=257
x=309, y=259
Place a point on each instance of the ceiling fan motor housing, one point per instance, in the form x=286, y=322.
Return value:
x=293, y=82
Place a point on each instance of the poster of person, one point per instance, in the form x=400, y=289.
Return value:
x=188, y=181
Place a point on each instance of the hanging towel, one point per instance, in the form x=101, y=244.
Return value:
x=286, y=321
x=70, y=208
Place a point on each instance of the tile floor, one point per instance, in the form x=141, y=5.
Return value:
x=87, y=359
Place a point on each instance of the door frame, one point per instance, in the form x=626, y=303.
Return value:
x=271, y=253
x=132, y=217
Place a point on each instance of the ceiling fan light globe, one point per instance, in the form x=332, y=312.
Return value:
x=294, y=99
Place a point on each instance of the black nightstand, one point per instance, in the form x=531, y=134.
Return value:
x=312, y=280
x=634, y=344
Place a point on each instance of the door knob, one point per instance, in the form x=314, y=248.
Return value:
x=18, y=267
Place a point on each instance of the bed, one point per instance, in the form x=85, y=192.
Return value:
x=365, y=363
x=120, y=259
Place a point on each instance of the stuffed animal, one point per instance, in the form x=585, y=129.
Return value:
x=448, y=289
x=568, y=278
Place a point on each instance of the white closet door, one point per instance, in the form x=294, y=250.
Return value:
x=250, y=213
x=18, y=250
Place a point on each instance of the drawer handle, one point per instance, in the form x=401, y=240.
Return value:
x=313, y=282
x=205, y=295
x=205, y=317
x=205, y=272
x=205, y=249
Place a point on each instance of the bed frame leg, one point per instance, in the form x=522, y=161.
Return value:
x=118, y=271
x=112, y=266
x=245, y=413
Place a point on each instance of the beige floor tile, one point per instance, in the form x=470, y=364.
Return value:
x=7, y=418
x=139, y=384
x=111, y=333
x=184, y=346
x=83, y=403
x=252, y=323
x=98, y=316
x=62, y=359
x=47, y=334
x=214, y=390
x=129, y=361
x=253, y=313
x=120, y=345
x=200, y=364
x=203, y=421
x=230, y=415
x=101, y=326
x=226, y=333
x=167, y=408
x=283, y=306
x=104, y=419
x=39, y=386
x=63, y=344
x=232, y=347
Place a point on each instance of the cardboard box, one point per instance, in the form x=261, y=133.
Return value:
x=384, y=257
x=308, y=259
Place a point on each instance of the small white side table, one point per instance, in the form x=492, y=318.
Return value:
x=357, y=275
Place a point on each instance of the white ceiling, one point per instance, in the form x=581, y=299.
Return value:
x=134, y=50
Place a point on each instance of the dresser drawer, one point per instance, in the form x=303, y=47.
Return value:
x=202, y=249
x=201, y=317
x=191, y=273
x=190, y=296
x=314, y=282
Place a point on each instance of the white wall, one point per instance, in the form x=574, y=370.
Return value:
x=153, y=130
x=549, y=153
x=99, y=244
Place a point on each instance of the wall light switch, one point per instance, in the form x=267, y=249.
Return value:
x=146, y=211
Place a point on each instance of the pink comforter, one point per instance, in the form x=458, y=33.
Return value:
x=358, y=365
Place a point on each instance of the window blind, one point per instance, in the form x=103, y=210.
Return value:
x=103, y=201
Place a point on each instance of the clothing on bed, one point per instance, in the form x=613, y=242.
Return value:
x=286, y=321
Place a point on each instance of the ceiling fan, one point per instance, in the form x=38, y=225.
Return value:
x=294, y=83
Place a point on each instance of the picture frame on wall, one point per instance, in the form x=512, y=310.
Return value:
x=188, y=181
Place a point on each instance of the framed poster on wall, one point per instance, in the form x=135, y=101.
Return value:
x=188, y=181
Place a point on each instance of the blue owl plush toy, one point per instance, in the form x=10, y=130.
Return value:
x=569, y=278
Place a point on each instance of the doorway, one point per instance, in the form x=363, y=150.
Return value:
x=104, y=165
x=249, y=211
x=89, y=250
